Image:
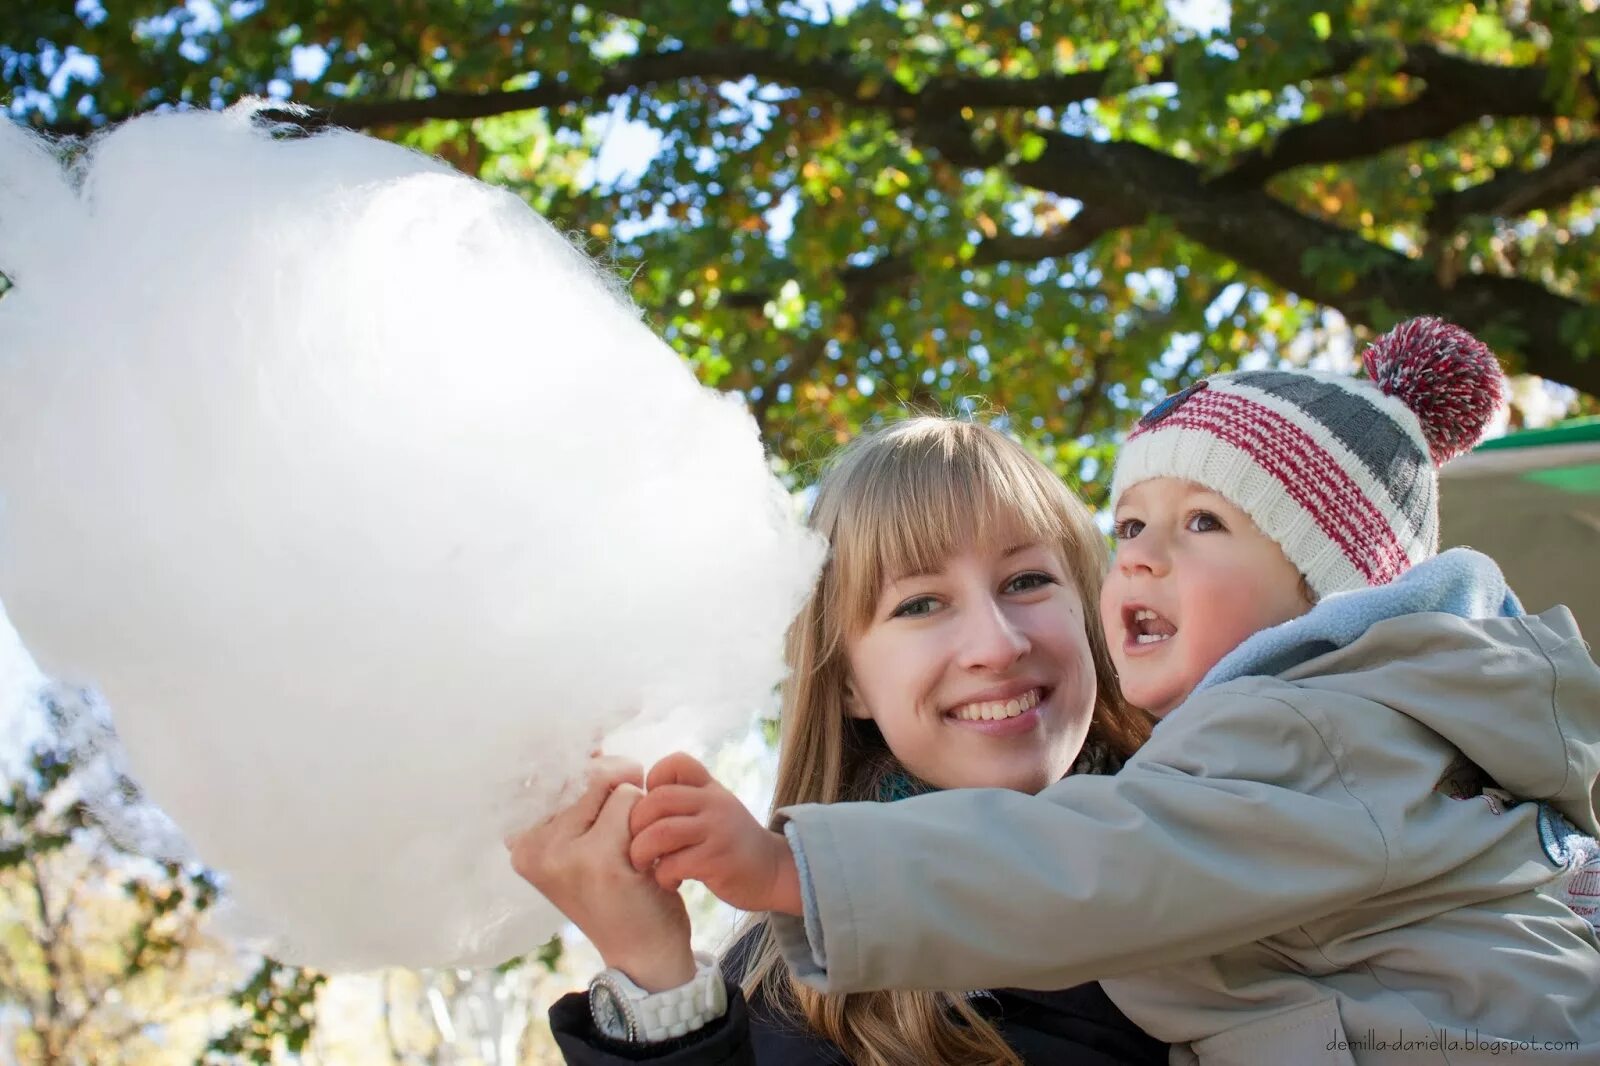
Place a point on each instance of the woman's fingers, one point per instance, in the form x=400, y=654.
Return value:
x=616, y=770
x=602, y=775
x=612, y=821
x=678, y=769
x=559, y=849
x=663, y=838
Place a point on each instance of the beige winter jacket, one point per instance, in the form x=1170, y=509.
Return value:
x=1281, y=876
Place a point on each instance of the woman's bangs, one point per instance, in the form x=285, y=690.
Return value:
x=919, y=506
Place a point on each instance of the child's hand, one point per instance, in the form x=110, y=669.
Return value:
x=691, y=828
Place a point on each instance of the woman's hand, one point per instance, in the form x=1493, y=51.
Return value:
x=688, y=827
x=578, y=858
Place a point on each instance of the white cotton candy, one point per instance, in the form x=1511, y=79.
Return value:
x=370, y=509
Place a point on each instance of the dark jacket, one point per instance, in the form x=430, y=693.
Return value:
x=1074, y=1027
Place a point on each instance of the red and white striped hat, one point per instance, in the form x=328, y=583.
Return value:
x=1341, y=472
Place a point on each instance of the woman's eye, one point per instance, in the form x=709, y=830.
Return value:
x=1029, y=581
x=915, y=607
x=1127, y=529
x=1204, y=522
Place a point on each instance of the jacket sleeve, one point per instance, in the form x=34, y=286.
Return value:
x=1233, y=823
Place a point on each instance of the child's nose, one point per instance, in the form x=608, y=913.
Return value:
x=1148, y=552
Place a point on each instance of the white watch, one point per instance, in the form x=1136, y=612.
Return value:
x=623, y=1011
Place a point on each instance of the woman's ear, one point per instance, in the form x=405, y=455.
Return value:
x=852, y=701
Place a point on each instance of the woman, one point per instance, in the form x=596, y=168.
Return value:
x=948, y=644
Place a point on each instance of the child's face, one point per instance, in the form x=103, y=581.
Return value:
x=980, y=674
x=1193, y=577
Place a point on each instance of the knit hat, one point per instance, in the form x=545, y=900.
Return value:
x=1340, y=472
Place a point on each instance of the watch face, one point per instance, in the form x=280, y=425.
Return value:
x=607, y=1011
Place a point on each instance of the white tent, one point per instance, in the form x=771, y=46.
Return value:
x=1532, y=501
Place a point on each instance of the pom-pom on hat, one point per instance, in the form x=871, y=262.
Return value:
x=1341, y=472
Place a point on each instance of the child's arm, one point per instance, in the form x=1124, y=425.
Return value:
x=1233, y=824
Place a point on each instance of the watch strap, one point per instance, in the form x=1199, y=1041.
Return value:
x=644, y=1017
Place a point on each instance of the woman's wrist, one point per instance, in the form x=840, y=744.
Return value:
x=656, y=972
x=621, y=1009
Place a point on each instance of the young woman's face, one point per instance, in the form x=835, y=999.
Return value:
x=979, y=674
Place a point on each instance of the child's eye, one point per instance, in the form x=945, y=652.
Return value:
x=1204, y=522
x=1028, y=582
x=1127, y=529
x=916, y=607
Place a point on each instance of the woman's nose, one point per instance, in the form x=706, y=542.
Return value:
x=993, y=639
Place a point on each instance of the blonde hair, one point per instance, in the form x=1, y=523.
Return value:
x=898, y=501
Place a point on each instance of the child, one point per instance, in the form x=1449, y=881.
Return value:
x=1329, y=852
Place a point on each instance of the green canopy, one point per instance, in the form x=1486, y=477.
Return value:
x=1532, y=501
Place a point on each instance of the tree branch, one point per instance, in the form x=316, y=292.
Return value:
x=91, y=998
x=1459, y=91
x=862, y=283
x=1263, y=234
x=1572, y=168
x=1090, y=395
x=47, y=1028
x=1087, y=226
x=838, y=77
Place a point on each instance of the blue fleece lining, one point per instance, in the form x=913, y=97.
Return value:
x=1461, y=582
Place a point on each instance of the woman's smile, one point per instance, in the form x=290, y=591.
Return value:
x=1004, y=715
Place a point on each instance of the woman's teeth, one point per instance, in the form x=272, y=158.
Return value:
x=997, y=709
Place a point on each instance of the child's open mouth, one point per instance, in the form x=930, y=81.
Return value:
x=1146, y=628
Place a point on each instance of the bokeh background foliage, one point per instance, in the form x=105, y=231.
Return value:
x=1053, y=213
